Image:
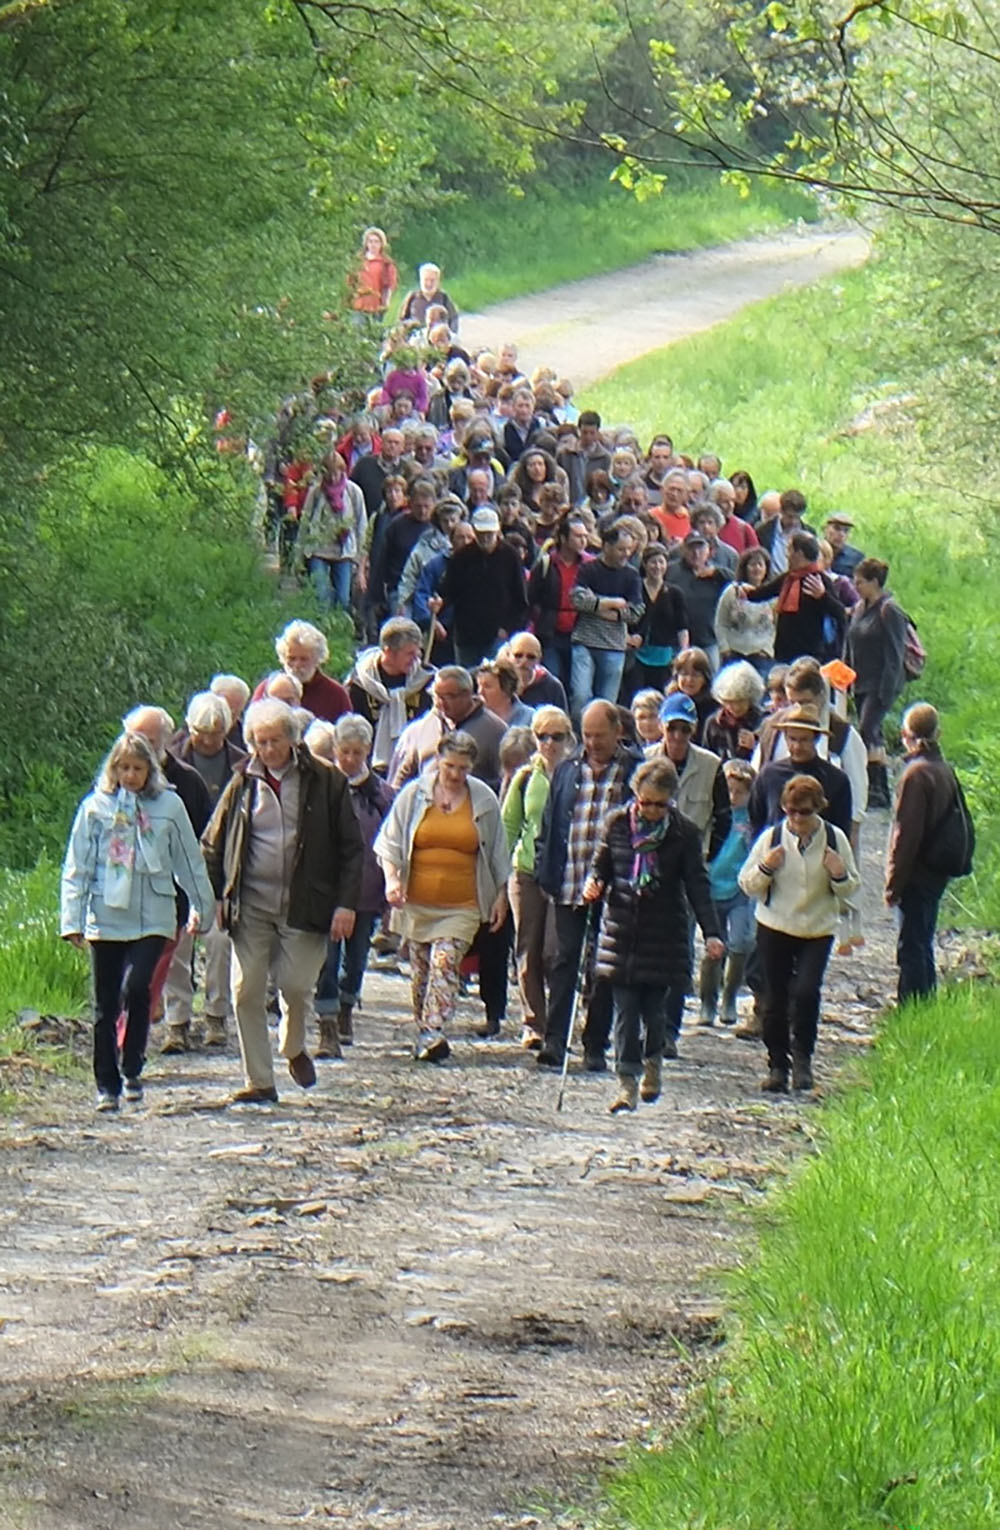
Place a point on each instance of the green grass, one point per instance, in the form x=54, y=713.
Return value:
x=506, y=246
x=775, y=391
x=37, y=969
x=859, y=1392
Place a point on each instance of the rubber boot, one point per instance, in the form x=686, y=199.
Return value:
x=345, y=1025
x=215, y=1031
x=627, y=1097
x=878, y=785
x=708, y=989
x=735, y=968
x=753, y=1028
x=177, y=1039
x=329, y=1039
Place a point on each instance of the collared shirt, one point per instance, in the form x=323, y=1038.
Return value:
x=598, y=795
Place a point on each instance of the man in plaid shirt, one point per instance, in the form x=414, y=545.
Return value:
x=584, y=791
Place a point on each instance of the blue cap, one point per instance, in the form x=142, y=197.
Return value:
x=679, y=708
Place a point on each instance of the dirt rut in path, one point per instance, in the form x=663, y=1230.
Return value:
x=416, y=1298
x=585, y=329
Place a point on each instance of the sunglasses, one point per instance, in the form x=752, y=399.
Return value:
x=551, y=738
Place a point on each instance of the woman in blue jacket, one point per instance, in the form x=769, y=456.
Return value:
x=130, y=840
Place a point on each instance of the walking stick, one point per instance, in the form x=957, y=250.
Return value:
x=581, y=983
x=433, y=606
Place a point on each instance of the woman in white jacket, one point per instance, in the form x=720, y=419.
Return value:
x=443, y=850
x=130, y=841
x=332, y=532
x=801, y=871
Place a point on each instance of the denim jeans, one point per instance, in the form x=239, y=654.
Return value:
x=332, y=580
x=736, y=917
x=557, y=657
x=336, y=987
x=118, y=962
x=917, y=914
x=595, y=674
x=640, y=1026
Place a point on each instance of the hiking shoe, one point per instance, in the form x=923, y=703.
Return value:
x=176, y=1041
x=432, y=1046
x=329, y=1040
x=802, y=1077
x=302, y=1070
x=345, y=1024
x=627, y=1097
x=489, y=1030
x=652, y=1080
x=251, y=1095
x=670, y=1049
x=594, y=1062
x=546, y=1058
x=106, y=1101
x=133, y=1090
x=531, y=1041
x=215, y=1031
x=776, y=1082
x=751, y=1029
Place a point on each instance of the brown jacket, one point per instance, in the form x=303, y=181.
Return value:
x=924, y=794
x=326, y=870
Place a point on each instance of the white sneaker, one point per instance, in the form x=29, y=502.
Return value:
x=133, y=1090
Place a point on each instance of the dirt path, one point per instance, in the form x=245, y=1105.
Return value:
x=585, y=329
x=416, y=1299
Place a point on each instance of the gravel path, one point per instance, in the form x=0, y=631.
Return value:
x=585, y=329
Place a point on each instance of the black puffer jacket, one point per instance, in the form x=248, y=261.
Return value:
x=644, y=939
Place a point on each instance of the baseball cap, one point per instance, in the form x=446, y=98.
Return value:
x=695, y=539
x=679, y=708
x=480, y=446
x=485, y=519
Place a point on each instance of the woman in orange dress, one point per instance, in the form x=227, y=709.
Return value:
x=376, y=279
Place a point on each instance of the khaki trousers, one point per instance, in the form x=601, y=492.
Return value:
x=262, y=944
x=178, y=995
x=534, y=945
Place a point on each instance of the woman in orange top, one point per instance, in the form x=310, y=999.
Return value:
x=376, y=279
x=443, y=850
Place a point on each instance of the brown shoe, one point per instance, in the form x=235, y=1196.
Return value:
x=252, y=1096
x=751, y=1029
x=776, y=1082
x=302, y=1070
x=329, y=1044
x=177, y=1040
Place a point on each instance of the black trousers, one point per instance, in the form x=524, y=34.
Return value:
x=493, y=951
x=123, y=970
x=793, y=968
x=571, y=928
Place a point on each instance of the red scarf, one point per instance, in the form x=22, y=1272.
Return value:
x=791, y=589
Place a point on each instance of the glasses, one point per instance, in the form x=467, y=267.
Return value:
x=551, y=738
x=652, y=804
x=799, y=812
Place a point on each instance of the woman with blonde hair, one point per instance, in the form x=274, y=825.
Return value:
x=534, y=915
x=376, y=279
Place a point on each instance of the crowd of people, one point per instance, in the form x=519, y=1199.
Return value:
x=598, y=703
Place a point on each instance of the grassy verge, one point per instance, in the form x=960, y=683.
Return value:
x=557, y=233
x=782, y=391
x=37, y=969
x=857, y=1391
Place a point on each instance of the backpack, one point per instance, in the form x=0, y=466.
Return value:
x=831, y=844
x=950, y=845
x=914, y=652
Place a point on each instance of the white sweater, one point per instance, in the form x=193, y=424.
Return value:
x=800, y=897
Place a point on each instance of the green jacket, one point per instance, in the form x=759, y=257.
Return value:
x=523, y=808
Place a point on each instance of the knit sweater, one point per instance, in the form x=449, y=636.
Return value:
x=800, y=898
x=597, y=580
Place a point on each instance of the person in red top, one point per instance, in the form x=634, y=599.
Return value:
x=672, y=515
x=301, y=649
x=736, y=533
x=554, y=574
x=376, y=279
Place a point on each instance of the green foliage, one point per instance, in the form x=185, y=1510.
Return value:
x=37, y=969
x=570, y=225
x=128, y=588
x=857, y=1390
x=801, y=391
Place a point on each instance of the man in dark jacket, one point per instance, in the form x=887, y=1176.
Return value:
x=924, y=797
x=284, y=853
x=583, y=791
x=805, y=600
x=370, y=472
x=484, y=585
x=802, y=727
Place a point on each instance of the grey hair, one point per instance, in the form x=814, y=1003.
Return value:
x=320, y=737
x=235, y=683
x=398, y=631
x=427, y=433
x=305, y=633
x=270, y=710
x=352, y=728
x=705, y=509
x=738, y=681
x=428, y=265
x=206, y=712
x=460, y=676
x=283, y=675
x=132, y=743
x=681, y=473
x=459, y=742
x=131, y=721
x=716, y=485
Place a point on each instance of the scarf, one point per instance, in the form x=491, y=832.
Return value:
x=389, y=709
x=646, y=841
x=130, y=842
x=791, y=588
x=334, y=491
